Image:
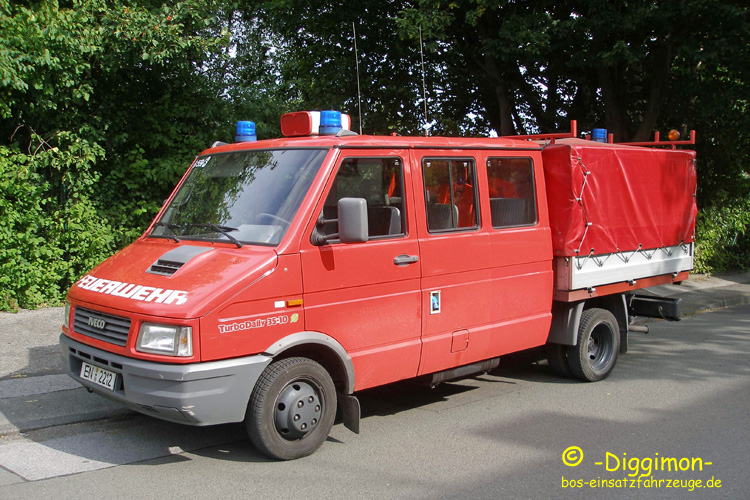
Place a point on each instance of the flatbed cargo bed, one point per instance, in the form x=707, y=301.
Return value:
x=618, y=214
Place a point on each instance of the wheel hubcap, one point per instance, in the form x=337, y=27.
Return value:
x=594, y=348
x=599, y=348
x=298, y=410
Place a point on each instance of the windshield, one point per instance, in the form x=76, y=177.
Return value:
x=241, y=197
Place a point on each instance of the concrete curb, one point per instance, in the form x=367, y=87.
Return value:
x=739, y=300
x=702, y=293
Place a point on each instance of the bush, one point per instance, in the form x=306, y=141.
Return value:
x=102, y=106
x=50, y=232
x=723, y=237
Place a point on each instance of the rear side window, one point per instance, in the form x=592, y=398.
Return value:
x=450, y=194
x=511, y=186
x=380, y=181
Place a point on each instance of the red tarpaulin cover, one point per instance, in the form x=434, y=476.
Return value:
x=631, y=196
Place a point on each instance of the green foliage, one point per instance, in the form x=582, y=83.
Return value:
x=314, y=54
x=104, y=104
x=102, y=107
x=532, y=65
x=723, y=237
x=50, y=231
x=24, y=272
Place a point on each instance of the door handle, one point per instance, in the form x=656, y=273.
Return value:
x=405, y=260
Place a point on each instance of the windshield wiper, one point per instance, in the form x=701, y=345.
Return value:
x=169, y=228
x=221, y=229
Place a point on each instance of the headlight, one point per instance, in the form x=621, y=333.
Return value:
x=66, y=317
x=169, y=340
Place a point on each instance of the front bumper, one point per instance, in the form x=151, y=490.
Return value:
x=210, y=393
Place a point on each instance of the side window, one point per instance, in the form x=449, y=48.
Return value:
x=380, y=181
x=511, y=185
x=450, y=194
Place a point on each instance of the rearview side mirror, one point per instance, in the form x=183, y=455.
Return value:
x=353, y=227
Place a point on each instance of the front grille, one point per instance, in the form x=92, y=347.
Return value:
x=165, y=267
x=100, y=326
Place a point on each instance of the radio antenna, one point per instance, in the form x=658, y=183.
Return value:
x=424, y=87
x=359, y=94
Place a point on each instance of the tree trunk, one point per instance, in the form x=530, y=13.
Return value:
x=615, y=119
x=504, y=106
x=656, y=95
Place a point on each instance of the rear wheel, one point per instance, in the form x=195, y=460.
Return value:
x=291, y=409
x=595, y=354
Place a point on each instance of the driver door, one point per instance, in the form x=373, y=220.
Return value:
x=367, y=295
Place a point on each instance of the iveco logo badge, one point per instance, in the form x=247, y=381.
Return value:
x=97, y=323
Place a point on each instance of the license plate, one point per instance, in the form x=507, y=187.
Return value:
x=100, y=376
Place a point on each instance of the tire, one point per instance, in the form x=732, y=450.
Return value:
x=557, y=358
x=291, y=409
x=595, y=354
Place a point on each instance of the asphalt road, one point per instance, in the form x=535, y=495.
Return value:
x=681, y=392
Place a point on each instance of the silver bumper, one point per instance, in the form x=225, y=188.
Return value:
x=215, y=392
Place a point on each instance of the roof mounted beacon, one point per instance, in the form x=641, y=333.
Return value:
x=305, y=123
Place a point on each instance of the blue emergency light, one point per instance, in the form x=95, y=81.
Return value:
x=245, y=132
x=599, y=135
x=330, y=122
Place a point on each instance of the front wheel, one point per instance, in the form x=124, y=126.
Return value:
x=291, y=409
x=595, y=354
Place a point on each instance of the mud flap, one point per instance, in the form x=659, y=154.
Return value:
x=350, y=411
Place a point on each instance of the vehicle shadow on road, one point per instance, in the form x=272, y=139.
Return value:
x=99, y=433
x=698, y=346
x=42, y=360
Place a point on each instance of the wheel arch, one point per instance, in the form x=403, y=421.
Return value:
x=320, y=348
x=594, y=356
x=566, y=318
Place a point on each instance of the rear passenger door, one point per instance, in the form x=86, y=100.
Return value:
x=455, y=260
x=367, y=295
x=521, y=249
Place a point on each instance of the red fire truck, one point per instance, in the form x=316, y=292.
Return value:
x=282, y=276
